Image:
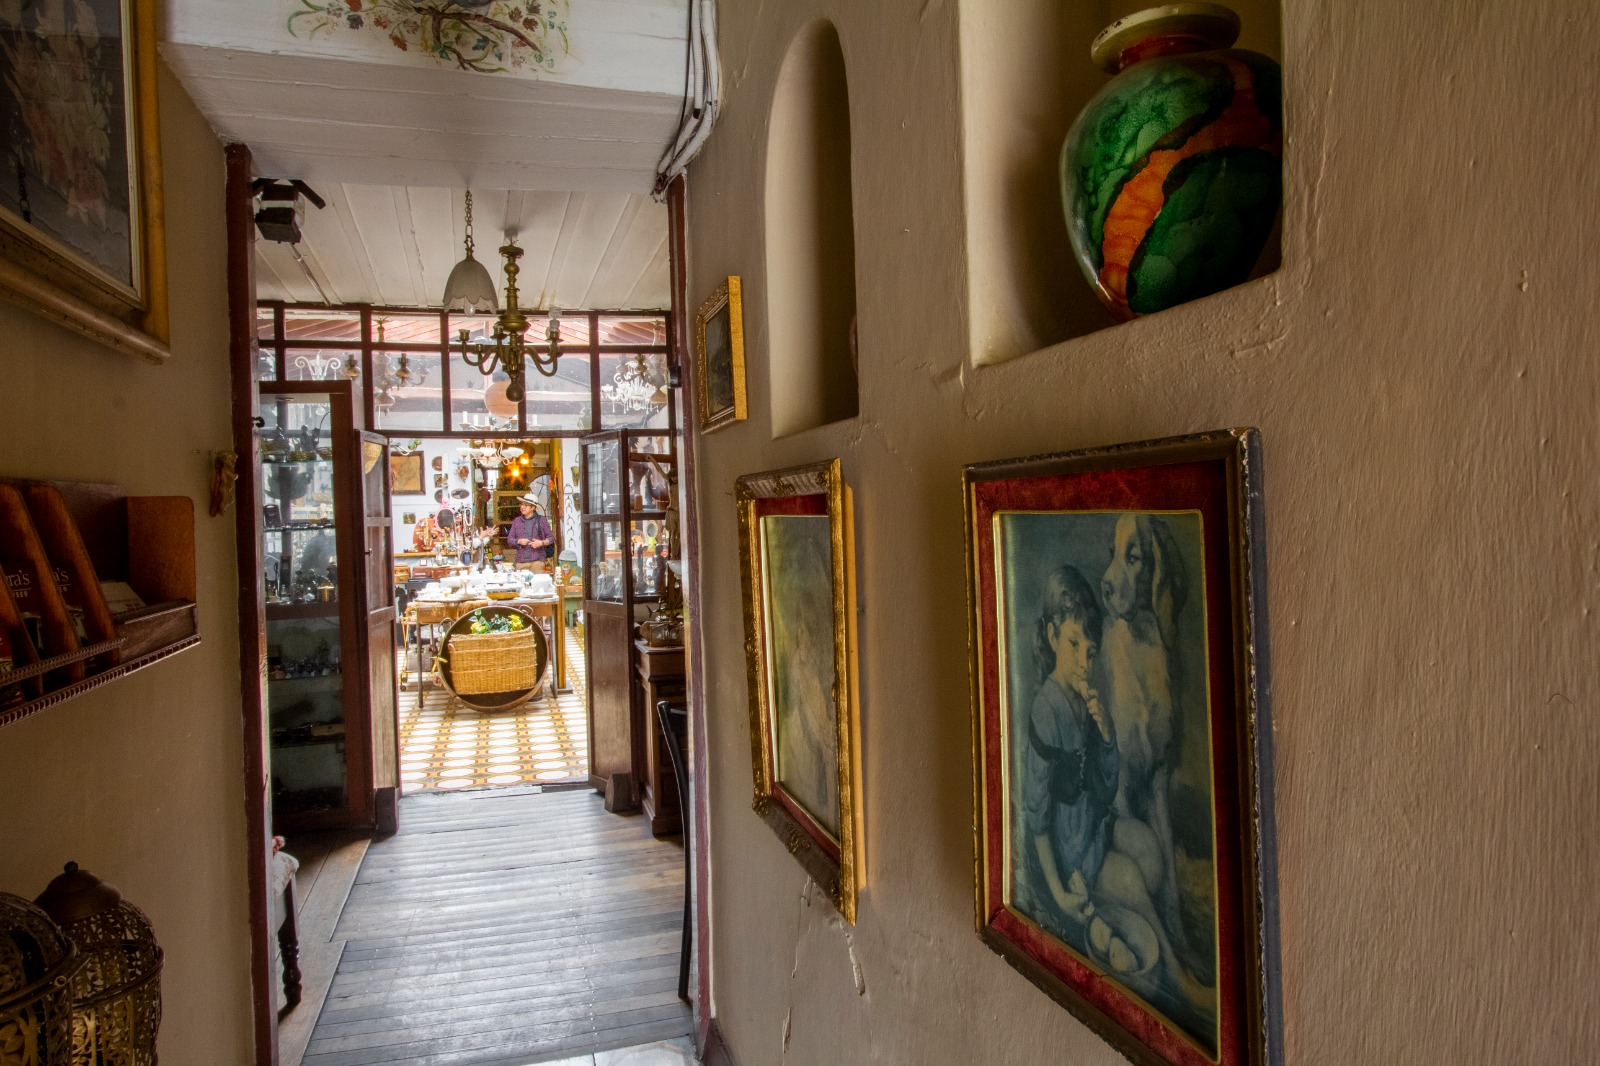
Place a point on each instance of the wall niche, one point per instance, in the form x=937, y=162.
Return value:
x=810, y=237
x=1026, y=74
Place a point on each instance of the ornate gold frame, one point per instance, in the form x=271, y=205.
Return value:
x=1240, y=451
x=49, y=279
x=727, y=295
x=841, y=879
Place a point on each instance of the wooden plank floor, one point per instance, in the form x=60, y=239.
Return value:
x=506, y=927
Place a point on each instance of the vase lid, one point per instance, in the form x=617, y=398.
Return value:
x=1209, y=25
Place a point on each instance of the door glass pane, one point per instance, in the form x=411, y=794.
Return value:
x=477, y=401
x=408, y=390
x=264, y=326
x=319, y=325
x=605, y=494
x=574, y=329
x=322, y=364
x=305, y=686
x=633, y=391
x=604, y=543
x=640, y=330
x=650, y=549
x=405, y=329
x=647, y=484
x=561, y=401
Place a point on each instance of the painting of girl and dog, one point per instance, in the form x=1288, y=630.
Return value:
x=1107, y=756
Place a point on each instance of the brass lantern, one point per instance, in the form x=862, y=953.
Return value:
x=116, y=992
x=36, y=968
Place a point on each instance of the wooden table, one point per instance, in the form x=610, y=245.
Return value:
x=443, y=612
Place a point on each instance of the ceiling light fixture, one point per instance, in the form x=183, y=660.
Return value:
x=470, y=288
x=633, y=387
x=507, y=347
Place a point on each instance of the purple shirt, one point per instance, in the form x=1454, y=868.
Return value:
x=534, y=527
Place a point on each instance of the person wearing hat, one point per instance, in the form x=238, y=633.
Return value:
x=531, y=536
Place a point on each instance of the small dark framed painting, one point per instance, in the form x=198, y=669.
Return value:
x=1122, y=747
x=719, y=357
x=796, y=564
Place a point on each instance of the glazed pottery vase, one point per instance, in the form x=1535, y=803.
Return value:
x=1172, y=176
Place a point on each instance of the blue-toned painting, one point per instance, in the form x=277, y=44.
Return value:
x=797, y=571
x=1107, y=752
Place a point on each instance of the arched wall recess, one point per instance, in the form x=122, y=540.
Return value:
x=810, y=237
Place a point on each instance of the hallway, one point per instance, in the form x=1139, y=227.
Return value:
x=508, y=927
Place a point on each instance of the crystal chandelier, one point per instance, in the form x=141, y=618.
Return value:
x=633, y=387
x=507, y=347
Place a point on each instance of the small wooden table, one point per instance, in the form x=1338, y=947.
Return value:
x=660, y=678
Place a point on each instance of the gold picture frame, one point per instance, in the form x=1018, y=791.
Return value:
x=61, y=233
x=719, y=356
x=798, y=579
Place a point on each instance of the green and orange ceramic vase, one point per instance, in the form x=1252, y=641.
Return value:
x=1172, y=177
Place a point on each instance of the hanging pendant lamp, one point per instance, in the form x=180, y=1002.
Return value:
x=470, y=288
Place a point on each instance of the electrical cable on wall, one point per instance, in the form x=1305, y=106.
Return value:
x=702, y=96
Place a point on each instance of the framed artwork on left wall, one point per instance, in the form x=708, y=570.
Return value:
x=796, y=565
x=82, y=235
x=1122, y=742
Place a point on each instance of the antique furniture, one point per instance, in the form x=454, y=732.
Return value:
x=660, y=677
x=329, y=610
x=493, y=671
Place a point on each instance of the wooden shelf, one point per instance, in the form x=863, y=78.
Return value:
x=88, y=684
x=147, y=542
x=279, y=611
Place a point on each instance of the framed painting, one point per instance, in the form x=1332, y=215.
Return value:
x=1122, y=778
x=719, y=357
x=81, y=225
x=795, y=558
x=405, y=475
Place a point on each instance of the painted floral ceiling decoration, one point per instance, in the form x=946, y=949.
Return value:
x=489, y=36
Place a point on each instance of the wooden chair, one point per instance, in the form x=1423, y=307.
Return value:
x=675, y=724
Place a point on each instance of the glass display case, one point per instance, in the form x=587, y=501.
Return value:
x=321, y=483
x=627, y=489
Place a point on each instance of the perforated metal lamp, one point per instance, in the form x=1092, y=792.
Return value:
x=116, y=991
x=470, y=288
x=37, y=963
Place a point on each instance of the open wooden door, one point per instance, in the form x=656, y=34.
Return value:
x=377, y=600
x=606, y=626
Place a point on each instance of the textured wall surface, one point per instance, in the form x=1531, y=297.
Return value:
x=1423, y=372
x=141, y=781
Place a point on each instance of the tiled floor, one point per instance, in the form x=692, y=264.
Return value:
x=447, y=746
x=662, y=1053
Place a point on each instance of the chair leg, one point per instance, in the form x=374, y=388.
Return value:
x=688, y=912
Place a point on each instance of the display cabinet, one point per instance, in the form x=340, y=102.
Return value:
x=329, y=613
x=626, y=492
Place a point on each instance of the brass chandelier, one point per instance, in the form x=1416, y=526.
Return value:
x=508, y=348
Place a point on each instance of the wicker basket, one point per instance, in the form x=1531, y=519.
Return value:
x=493, y=662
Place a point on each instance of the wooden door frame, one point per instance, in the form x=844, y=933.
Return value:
x=241, y=232
x=689, y=523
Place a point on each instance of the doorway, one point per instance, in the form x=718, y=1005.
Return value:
x=563, y=867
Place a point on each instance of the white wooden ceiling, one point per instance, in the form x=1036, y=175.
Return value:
x=395, y=245
x=331, y=99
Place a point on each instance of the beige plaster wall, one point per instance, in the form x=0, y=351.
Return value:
x=141, y=781
x=1423, y=371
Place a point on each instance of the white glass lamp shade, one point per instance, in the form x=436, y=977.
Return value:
x=470, y=288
